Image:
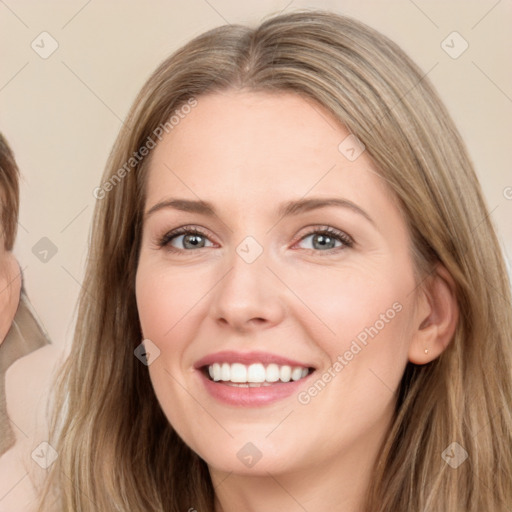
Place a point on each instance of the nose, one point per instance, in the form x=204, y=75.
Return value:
x=249, y=297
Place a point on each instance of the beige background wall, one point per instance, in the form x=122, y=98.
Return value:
x=62, y=113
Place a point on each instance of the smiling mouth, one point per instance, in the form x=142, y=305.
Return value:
x=254, y=375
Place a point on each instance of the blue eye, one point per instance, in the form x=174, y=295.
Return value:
x=322, y=241
x=190, y=239
x=327, y=239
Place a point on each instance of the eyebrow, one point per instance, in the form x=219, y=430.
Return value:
x=288, y=209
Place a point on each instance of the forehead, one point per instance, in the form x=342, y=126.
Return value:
x=256, y=146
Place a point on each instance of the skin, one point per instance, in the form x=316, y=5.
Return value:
x=10, y=288
x=26, y=400
x=28, y=384
x=247, y=153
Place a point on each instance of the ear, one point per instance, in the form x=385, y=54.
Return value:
x=436, y=317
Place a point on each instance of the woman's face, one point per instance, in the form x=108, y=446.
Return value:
x=10, y=288
x=297, y=273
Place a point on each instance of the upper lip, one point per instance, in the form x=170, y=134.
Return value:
x=247, y=358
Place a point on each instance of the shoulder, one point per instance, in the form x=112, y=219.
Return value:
x=28, y=386
x=28, y=390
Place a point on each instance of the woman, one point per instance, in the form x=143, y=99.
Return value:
x=291, y=226
x=24, y=347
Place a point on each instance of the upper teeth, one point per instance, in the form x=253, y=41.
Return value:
x=255, y=373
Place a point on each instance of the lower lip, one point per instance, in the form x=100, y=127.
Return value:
x=251, y=397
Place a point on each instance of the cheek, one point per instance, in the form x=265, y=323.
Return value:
x=367, y=355
x=165, y=297
x=364, y=332
x=349, y=302
x=165, y=302
x=10, y=288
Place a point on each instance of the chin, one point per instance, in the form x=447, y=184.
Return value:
x=250, y=454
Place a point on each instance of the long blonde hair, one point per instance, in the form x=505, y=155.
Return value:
x=116, y=449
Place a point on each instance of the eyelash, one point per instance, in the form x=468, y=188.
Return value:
x=345, y=239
